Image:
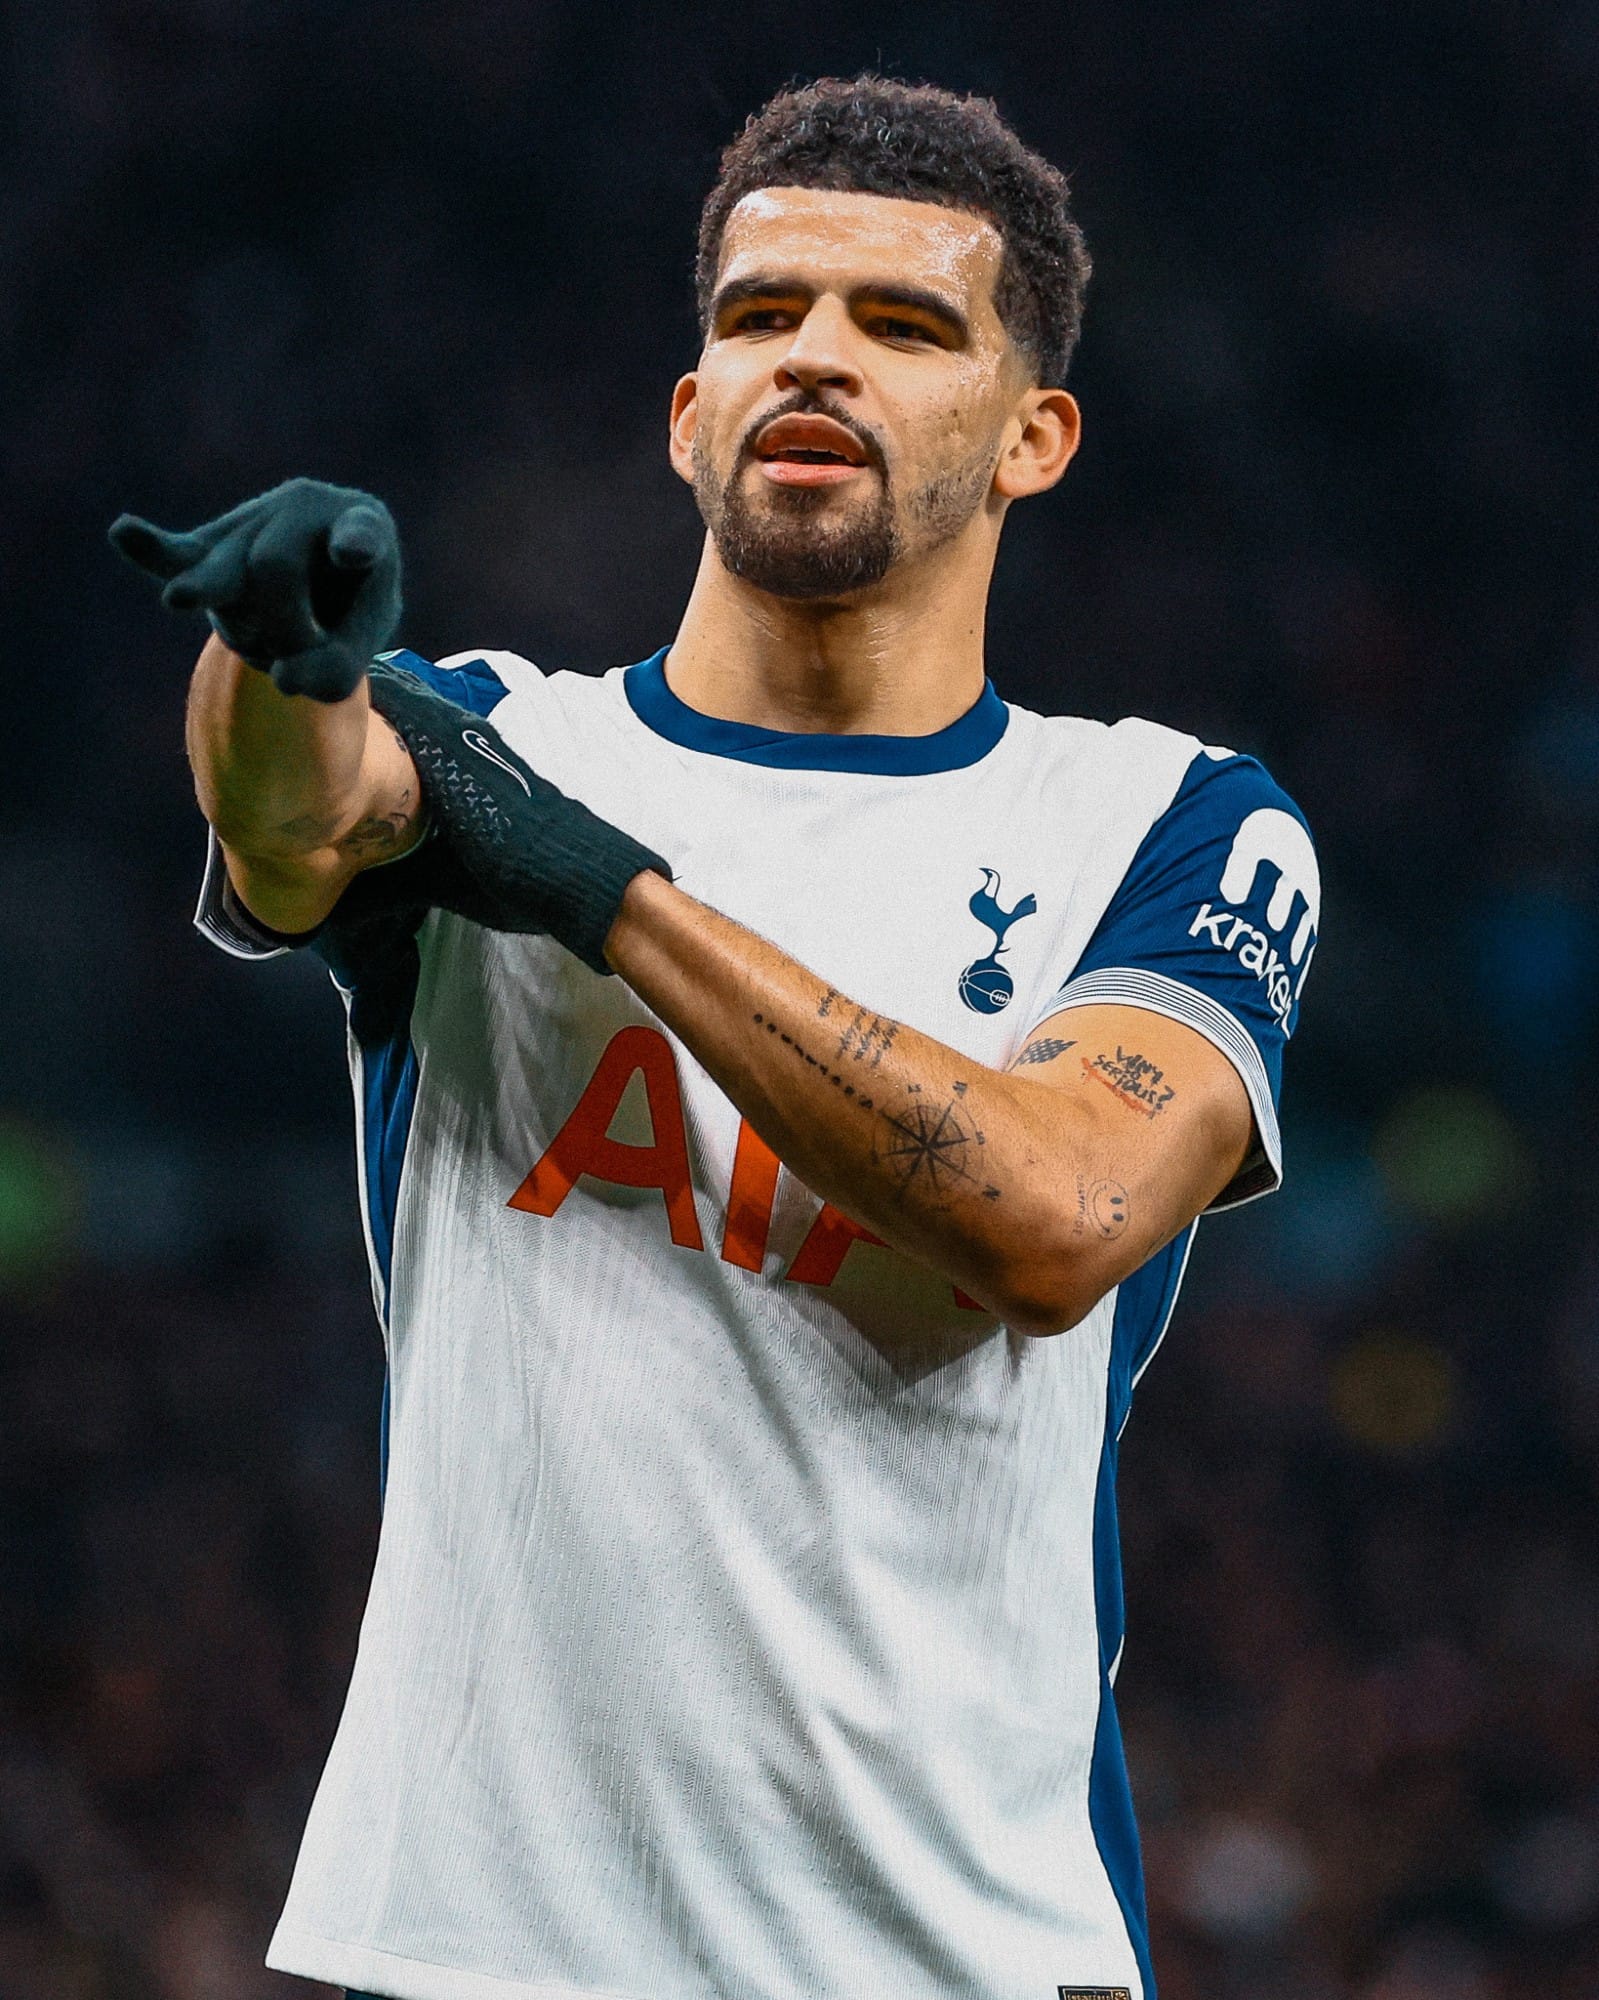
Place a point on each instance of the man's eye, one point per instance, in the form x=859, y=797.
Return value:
x=905, y=329
x=763, y=319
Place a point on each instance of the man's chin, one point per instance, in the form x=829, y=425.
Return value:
x=806, y=567
x=808, y=543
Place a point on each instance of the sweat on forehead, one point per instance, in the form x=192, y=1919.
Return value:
x=829, y=225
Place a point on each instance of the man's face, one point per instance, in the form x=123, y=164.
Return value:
x=856, y=382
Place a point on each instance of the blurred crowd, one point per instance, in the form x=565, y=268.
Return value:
x=1335, y=507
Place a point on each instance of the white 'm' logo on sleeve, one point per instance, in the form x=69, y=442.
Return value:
x=1276, y=839
x=1275, y=836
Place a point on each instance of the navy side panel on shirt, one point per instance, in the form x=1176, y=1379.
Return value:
x=1144, y=1304
x=376, y=966
x=1215, y=924
x=378, y=974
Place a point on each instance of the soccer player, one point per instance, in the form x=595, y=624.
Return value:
x=788, y=1079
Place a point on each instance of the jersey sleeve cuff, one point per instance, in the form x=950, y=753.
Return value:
x=221, y=918
x=1128, y=986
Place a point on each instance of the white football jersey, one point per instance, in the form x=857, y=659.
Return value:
x=711, y=1653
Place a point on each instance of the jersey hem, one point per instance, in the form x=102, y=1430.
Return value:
x=1130, y=986
x=364, y=1967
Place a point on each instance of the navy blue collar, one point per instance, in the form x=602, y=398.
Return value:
x=968, y=738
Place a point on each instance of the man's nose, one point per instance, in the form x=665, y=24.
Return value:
x=820, y=356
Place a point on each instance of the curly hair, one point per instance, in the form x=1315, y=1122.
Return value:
x=872, y=135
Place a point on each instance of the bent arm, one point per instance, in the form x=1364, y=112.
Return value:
x=1035, y=1189
x=303, y=794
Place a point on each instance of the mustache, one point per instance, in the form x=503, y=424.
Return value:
x=803, y=403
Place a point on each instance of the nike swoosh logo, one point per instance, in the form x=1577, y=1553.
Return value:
x=474, y=740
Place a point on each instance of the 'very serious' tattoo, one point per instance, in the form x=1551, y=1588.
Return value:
x=1133, y=1079
x=368, y=836
x=379, y=831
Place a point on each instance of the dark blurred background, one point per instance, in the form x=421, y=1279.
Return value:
x=1334, y=507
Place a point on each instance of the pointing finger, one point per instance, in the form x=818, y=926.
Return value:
x=159, y=552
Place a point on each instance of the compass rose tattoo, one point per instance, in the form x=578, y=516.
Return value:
x=931, y=1146
x=926, y=1145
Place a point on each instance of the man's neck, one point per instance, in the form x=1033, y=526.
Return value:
x=903, y=660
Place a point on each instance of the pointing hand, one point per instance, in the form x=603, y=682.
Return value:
x=302, y=582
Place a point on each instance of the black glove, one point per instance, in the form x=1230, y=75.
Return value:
x=302, y=582
x=504, y=848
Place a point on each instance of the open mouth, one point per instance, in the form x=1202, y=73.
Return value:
x=808, y=451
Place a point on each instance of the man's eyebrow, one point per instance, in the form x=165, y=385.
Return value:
x=762, y=285
x=915, y=299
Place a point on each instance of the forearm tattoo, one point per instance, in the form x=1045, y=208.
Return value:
x=370, y=835
x=932, y=1146
x=315, y=829
x=866, y=1039
x=927, y=1142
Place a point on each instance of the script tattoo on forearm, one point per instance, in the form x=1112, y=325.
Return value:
x=866, y=1039
x=1133, y=1079
x=928, y=1144
x=1042, y=1051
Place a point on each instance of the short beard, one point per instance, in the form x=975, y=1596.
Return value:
x=790, y=551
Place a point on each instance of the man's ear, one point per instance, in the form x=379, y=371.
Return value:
x=685, y=422
x=1040, y=443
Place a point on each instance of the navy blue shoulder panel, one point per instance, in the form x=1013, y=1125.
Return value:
x=474, y=684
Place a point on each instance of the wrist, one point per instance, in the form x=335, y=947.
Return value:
x=526, y=858
x=649, y=902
